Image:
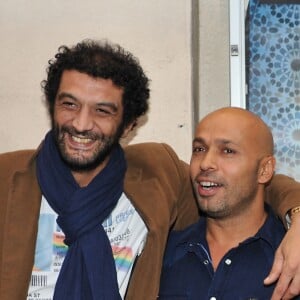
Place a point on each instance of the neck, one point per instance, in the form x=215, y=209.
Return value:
x=225, y=234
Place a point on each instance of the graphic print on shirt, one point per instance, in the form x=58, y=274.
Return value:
x=126, y=232
x=123, y=255
x=42, y=259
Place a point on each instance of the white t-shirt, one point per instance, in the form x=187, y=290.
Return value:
x=124, y=227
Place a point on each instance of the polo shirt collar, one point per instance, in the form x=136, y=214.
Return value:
x=194, y=236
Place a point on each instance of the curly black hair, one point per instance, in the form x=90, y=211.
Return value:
x=104, y=60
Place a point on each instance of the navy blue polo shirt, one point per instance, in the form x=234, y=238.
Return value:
x=188, y=273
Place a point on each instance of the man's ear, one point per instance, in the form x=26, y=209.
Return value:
x=266, y=169
x=129, y=128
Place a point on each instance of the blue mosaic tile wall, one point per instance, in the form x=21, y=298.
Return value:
x=274, y=77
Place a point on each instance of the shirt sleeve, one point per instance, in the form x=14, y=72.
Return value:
x=283, y=193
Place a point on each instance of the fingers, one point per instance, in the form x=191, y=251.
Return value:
x=282, y=286
x=288, y=285
x=293, y=289
x=286, y=266
x=276, y=268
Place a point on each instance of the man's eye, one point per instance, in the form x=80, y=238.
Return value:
x=198, y=149
x=229, y=151
x=68, y=104
x=103, y=111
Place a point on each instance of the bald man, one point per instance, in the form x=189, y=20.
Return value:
x=229, y=252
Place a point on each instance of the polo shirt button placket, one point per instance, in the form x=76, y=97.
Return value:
x=228, y=263
x=191, y=247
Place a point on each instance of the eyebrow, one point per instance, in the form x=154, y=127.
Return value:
x=198, y=140
x=111, y=105
x=218, y=141
x=66, y=95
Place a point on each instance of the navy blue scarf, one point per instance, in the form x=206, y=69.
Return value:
x=88, y=271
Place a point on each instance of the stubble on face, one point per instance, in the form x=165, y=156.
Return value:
x=232, y=199
x=238, y=141
x=78, y=160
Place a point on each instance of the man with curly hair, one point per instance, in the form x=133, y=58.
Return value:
x=83, y=218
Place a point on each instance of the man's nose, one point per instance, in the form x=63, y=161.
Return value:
x=83, y=121
x=208, y=161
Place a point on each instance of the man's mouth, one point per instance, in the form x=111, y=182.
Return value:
x=81, y=140
x=209, y=184
x=207, y=188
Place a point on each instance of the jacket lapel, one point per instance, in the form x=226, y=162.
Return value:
x=20, y=233
x=138, y=189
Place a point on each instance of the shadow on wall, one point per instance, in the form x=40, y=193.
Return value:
x=141, y=122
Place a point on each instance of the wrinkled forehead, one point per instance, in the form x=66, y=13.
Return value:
x=240, y=126
x=234, y=128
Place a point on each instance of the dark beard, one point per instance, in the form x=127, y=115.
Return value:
x=101, y=153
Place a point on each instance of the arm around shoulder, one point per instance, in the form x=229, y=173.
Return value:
x=282, y=194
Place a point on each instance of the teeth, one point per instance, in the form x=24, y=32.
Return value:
x=81, y=140
x=208, y=184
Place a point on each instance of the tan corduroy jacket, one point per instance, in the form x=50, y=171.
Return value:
x=156, y=182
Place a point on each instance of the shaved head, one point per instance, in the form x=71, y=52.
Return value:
x=253, y=128
x=232, y=161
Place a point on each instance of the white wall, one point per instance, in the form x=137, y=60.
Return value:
x=156, y=31
x=214, y=86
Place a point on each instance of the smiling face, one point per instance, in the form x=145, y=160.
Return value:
x=230, y=151
x=87, y=120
